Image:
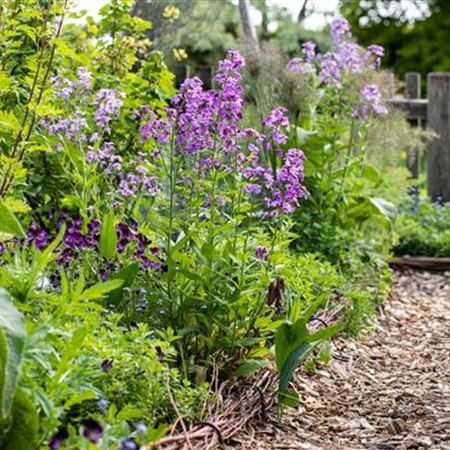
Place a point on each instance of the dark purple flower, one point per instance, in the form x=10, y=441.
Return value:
x=161, y=354
x=58, y=438
x=262, y=252
x=92, y=430
x=107, y=365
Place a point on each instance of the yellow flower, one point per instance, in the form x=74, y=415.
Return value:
x=179, y=54
x=171, y=13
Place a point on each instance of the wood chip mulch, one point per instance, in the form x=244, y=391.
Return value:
x=388, y=391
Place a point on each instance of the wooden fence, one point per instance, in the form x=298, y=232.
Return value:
x=433, y=111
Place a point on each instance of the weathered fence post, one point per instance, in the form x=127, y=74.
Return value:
x=438, y=118
x=413, y=91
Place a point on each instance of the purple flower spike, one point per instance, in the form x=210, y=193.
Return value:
x=92, y=430
x=339, y=28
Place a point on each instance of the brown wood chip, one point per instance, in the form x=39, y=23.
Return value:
x=388, y=391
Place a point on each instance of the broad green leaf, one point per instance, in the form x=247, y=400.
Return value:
x=9, y=223
x=286, y=339
x=25, y=422
x=108, y=238
x=12, y=343
x=292, y=363
x=387, y=209
x=100, y=289
x=127, y=275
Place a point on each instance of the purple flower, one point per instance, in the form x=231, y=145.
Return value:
x=296, y=65
x=92, y=430
x=221, y=201
x=107, y=365
x=161, y=354
x=109, y=106
x=262, y=252
x=309, y=50
x=128, y=444
x=339, y=28
x=374, y=53
x=252, y=188
x=58, y=438
x=329, y=70
x=371, y=100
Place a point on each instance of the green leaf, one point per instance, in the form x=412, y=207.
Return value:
x=127, y=275
x=291, y=364
x=9, y=223
x=286, y=339
x=24, y=427
x=100, y=289
x=108, y=238
x=250, y=366
x=385, y=208
x=289, y=398
x=8, y=121
x=12, y=343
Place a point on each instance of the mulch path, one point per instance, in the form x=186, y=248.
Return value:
x=388, y=391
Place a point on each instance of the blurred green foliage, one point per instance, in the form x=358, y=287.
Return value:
x=414, y=33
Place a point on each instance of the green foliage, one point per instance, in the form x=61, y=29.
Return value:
x=423, y=228
x=160, y=280
x=12, y=343
x=108, y=238
x=23, y=431
x=19, y=417
x=293, y=342
x=404, y=30
x=9, y=223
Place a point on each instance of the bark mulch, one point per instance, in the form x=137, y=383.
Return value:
x=388, y=391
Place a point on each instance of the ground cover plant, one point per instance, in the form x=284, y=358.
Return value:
x=423, y=227
x=151, y=238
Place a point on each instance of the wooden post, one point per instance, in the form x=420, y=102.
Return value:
x=387, y=84
x=413, y=91
x=438, y=118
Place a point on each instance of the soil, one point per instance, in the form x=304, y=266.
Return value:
x=387, y=391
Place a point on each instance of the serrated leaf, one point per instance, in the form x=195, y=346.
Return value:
x=8, y=121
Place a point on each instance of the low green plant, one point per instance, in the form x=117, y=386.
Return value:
x=423, y=228
x=19, y=415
